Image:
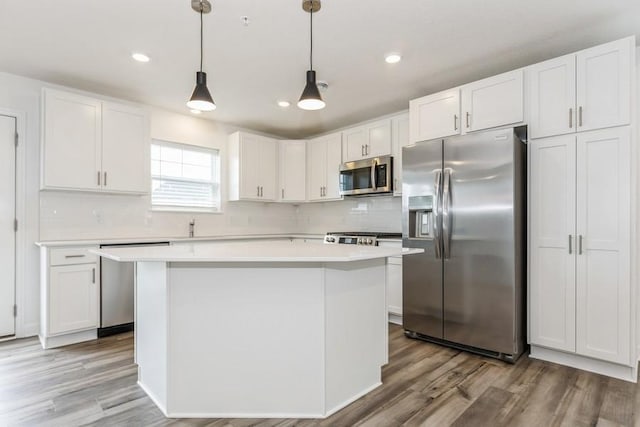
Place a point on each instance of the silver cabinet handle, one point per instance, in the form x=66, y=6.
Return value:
x=468, y=116
x=570, y=118
x=362, y=150
x=93, y=275
x=261, y=191
x=455, y=122
x=580, y=116
x=447, y=217
x=366, y=149
x=580, y=244
x=324, y=191
x=105, y=179
x=570, y=238
x=436, y=216
x=99, y=174
x=74, y=256
x=258, y=191
x=283, y=193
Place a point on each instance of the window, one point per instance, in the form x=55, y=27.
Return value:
x=184, y=177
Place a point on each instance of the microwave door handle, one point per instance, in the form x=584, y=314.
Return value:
x=374, y=165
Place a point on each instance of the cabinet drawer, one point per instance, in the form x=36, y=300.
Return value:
x=69, y=256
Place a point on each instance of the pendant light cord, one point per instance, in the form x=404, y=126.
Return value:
x=201, y=39
x=311, y=50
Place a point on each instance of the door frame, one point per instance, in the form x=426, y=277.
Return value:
x=20, y=201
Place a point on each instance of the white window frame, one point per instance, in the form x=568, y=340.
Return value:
x=216, y=178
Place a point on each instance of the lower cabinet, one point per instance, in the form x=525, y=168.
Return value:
x=70, y=296
x=394, y=284
x=580, y=290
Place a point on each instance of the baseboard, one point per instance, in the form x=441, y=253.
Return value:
x=154, y=398
x=396, y=319
x=351, y=400
x=67, y=339
x=623, y=372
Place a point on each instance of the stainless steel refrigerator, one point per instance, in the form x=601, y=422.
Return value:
x=464, y=203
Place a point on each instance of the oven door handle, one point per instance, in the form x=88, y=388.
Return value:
x=374, y=165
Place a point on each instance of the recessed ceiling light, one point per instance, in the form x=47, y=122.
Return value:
x=283, y=104
x=392, y=58
x=140, y=57
x=196, y=111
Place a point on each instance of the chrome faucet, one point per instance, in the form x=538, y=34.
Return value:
x=192, y=225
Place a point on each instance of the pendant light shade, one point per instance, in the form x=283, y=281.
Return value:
x=201, y=99
x=310, y=98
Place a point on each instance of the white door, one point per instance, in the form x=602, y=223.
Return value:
x=400, y=127
x=125, y=149
x=268, y=165
x=552, y=97
x=435, y=116
x=603, y=294
x=552, y=260
x=7, y=217
x=604, y=85
x=73, y=298
x=292, y=165
x=378, y=139
x=249, y=166
x=332, y=171
x=317, y=168
x=493, y=102
x=355, y=142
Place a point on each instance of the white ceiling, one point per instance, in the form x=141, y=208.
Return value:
x=87, y=44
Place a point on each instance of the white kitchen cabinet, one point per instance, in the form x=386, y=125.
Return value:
x=580, y=287
x=93, y=145
x=293, y=168
x=324, y=156
x=125, y=148
x=435, y=116
x=70, y=296
x=493, y=102
x=394, y=283
x=583, y=91
x=400, y=138
x=366, y=141
x=252, y=167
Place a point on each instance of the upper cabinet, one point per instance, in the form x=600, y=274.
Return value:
x=369, y=140
x=492, y=102
x=434, y=116
x=324, y=156
x=252, y=167
x=400, y=132
x=292, y=165
x=92, y=145
x=583, y=91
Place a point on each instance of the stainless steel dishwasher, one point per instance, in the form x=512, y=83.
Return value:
x=117, y=281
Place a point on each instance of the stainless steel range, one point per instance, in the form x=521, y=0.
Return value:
x=358, y=238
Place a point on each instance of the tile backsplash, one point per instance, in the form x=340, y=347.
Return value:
x=77, y=216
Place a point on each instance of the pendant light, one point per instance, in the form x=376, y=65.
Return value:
x=310, y=98
x=201, y=98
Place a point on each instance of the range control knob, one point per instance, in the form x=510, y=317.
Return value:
x=369, y=241
x=360, y=242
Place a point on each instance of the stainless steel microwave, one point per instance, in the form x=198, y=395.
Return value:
x=366, y=177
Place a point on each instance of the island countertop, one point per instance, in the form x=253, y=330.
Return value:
x=278, y=251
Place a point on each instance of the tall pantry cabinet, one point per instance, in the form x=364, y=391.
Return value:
x=581, y=294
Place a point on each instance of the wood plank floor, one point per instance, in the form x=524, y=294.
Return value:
x=94, y=383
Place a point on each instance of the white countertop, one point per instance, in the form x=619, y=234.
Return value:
x=176, y=239
x=278, y=251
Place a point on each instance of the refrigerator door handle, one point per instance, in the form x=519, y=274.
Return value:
x=446, y=214
x=436, y=216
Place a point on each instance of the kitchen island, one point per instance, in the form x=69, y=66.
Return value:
x=258, y=329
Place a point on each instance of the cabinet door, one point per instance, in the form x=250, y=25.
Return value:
x=355, y=141
x=378, y=139
x=268, y=170
x=435, y=116
x=552, y=243
x=493, y=102
x=72, y=139
x=604, y=85
x=332, y=168
x=125, y=149
x=73, y=298
x=400, y=128
x=394, y=285
x=292, y=166
x=316, y=168
x=250, y=166
x=603, y=294
x=552, y=97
